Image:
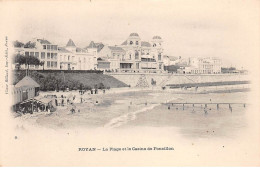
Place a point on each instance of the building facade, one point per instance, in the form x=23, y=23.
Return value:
x=72, y=57
x=142, y=55
x=203, y=66
x=133, y=55
x=53, y=57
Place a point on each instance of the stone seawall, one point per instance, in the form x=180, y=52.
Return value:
x=163, y=79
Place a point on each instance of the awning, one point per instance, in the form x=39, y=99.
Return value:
x=45, y=100
x=41, y=100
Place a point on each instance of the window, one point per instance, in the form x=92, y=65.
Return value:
x=160, y=66
x=37, y=54
x=131, y=42
x=52, y=55
x=51, y=47
x=136, y=43
x=48, y=63
x=48, y=55
x=26, y=53
x=44, y=46
x=55, y=64
x=52, y=63
x=31, y=53
x=136, y=55
x=43, y=55
x=159, y=56
x=130, y=56
x=48, y=47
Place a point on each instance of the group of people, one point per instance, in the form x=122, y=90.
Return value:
x=32, y=107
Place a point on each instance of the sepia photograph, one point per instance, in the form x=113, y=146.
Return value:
x=130, y=83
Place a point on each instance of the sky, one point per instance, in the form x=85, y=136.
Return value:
x=228, y=29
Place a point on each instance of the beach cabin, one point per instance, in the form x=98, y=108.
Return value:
x=22, y=93
x=29, y=82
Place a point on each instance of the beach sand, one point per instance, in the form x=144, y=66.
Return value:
x=146, y=108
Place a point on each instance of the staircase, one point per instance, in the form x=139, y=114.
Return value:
x=142, y=82
x=162, y=84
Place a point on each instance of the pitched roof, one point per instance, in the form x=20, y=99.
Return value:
x=92, y=45
x=134, y=34
x=70, y=43
x=115, y=48
x=43, y=41
x=27, y=81
x=157, y=37
x=99, y=46
x=63, y=50
x=172, y=58
x=80, y=50
x=145, y=44
x=124, y=43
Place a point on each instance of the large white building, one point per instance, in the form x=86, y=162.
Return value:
x=204, y=66
x=142, y=55
x=133, y=55
x=72, y=57
x=69, y=57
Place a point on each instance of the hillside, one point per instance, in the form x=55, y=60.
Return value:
x=51, y=80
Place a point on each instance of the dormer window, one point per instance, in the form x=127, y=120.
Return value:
x=131, y=42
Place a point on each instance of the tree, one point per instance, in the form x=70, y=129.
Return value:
x=153, y=82
x=27, y=60
x=29, y=45
x=101, y=86
x=18, y=44
x=42, y=64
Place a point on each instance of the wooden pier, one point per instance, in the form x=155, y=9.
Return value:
x=205, y=104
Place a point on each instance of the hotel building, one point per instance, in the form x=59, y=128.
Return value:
x=69, y=57
x=204, y=66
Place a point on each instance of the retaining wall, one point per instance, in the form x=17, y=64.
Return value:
x=168, y=79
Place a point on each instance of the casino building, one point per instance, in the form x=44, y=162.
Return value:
x=133, y=55
x=142, y=55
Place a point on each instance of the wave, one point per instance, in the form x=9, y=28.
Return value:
x=121, y=120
